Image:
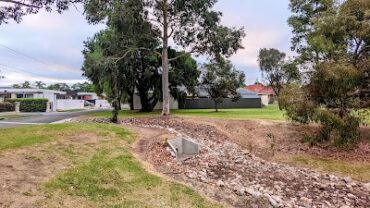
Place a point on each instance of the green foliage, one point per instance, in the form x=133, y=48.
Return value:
x=295, y=100
x=31, y=105
x=277, y=71
x=332, y=39
x=222, y=80
x=15, y=10
x=6, y=107
x=59, y=87
x=25, y=85
x=83, y=87
x=40, y=85
x=191, y=24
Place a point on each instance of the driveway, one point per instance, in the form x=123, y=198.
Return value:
x=43, y=118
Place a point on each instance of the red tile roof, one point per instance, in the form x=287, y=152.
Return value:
x=260, y=89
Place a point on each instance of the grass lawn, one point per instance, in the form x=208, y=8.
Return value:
x=357, y=170
x=271, y=112
x=10, y=116
x=103, y=174
x=28, y=135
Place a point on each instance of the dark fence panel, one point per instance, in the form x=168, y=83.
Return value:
x=206, y=103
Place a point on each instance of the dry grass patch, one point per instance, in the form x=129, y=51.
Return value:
x=357, y=170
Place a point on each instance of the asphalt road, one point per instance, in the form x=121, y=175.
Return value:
x=44, y=118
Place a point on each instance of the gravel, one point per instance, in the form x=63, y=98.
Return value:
x=230, y=174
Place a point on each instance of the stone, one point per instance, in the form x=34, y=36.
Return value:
x=254, y=193
x=367, y=186
x=191, y=175
x=220, y=183
x=273, y=202
x=306, y=201
x=347, y=180
x=239, y=190
x=351, y=196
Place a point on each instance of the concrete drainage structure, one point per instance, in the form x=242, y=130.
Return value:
x=183, y=148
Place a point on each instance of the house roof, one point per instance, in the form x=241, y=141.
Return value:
x=202, y=92
x=260, y=89
x=21, y=90
x=247, y=94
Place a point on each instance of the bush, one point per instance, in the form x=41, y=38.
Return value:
x=6, y=107
x=31, y=105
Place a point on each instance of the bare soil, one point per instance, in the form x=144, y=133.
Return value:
x=23, y=171
x=226, y=173
x=253, y=136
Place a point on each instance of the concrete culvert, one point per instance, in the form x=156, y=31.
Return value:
x=183, y=148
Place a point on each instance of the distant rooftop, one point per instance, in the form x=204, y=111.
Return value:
x=260, y=89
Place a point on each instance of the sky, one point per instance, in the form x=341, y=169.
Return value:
x=47, y=46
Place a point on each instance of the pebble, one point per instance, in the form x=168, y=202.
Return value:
x=220, y=183
x=347, y=180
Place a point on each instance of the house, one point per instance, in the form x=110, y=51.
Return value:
x=51, y=95
x=266, y=93
x=88, y=96
x=174, y=104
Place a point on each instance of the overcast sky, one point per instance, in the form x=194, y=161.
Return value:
x=51, y=43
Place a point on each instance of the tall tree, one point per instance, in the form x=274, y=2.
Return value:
x=276, y=69
x=16, y=9
x=40, y=85
x=332, y=38
x=26, y=85
x=59, y=86
x=83, y=87
x=222, y=81
x=191, y=24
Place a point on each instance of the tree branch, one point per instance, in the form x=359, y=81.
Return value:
x=21, y=4
x=182, y=55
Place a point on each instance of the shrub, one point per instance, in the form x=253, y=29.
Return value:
x=6, y=106
x=31, y=105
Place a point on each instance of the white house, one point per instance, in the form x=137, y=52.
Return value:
x=51, y=95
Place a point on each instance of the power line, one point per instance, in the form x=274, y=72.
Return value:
x=23, y=54
x=9, y=68
x=34, y=59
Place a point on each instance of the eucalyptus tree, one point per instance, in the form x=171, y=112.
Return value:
x=222, y=81
x=16, y=9
x=190, y=24
x=332, y=37
x=276, y=69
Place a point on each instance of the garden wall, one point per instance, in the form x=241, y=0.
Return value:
x=207, y=103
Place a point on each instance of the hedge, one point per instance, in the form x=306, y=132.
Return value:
x=6, y=107
x=31, y=105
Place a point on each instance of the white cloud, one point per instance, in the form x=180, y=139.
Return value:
x=254, y=41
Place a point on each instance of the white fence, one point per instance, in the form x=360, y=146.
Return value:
x=69, y=104
x=102, y=104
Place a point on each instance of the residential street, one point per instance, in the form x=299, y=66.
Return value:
x=43, y=118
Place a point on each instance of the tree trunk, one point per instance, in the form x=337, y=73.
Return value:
x=165, y=63
x=119, y=99
x=131, y=100
x=216, y=106
x=115, y=96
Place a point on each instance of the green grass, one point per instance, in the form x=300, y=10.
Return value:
x=357, y=170
x=271, y=112
x=102, y=174
x=113, y=178
x=10, y=116
x=29, y=135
